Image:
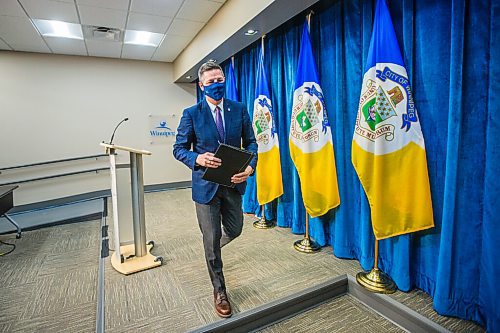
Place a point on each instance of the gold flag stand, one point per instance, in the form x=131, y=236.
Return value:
x=307, y=245
x=262, y=223
x=376, y=281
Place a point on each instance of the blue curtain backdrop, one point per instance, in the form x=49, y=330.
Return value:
x=451, y=49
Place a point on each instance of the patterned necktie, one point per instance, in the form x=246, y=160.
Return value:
x=219, y=123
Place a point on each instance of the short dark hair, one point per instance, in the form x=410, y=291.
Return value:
x=208, y=66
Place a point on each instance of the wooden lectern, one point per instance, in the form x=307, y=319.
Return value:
x=135, y=257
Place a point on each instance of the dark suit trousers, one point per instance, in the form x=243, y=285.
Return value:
x=224, y=208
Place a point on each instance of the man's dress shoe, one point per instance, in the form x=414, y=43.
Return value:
x=222, y=306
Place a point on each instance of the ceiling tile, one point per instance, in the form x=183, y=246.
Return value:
x=198, y=10
x=137, y=52
x=112, y=4
x=155, y=7
x=18, y=30
x=51, y=10
x=66, y=45
x=11, y=8
x=170, y=48
x=107, y=49
x=165, y=55
x=4, y=46
x=39, y=47
x=112, y=18
x=151, y=23
x=185, y=28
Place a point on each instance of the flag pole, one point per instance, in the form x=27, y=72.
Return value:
x=307, y=245
x=376, y=281
x=262, y=223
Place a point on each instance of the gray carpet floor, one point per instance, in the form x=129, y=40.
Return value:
x=48, y=284
x=344, y=314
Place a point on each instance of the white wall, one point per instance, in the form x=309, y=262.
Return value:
x=231, y=17
x=54, y=107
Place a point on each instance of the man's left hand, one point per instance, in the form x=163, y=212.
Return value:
x=242, y=176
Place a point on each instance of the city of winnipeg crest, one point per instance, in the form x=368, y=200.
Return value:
x=262, y=120
x=380, y=104
x=309, y=119
x=263, y=123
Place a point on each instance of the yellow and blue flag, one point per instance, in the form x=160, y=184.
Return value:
x=388, y=150
x=231, y=91
x=311, y=145
x=269, y=180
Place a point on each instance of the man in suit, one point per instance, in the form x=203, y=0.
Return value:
x=201, y=128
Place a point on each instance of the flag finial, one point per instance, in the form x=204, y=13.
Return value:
x=308, y=17
x=262, y=43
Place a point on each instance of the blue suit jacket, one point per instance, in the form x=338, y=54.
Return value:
x=197, y=134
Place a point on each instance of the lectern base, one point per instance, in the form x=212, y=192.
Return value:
x=135, y=264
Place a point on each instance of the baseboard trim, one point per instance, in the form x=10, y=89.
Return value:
x=167, y=186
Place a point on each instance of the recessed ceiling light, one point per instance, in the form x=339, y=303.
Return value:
x=142, y=38
x=50, y=28
x=251, y=32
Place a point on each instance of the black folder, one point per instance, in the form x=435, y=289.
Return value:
x=234, y=160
